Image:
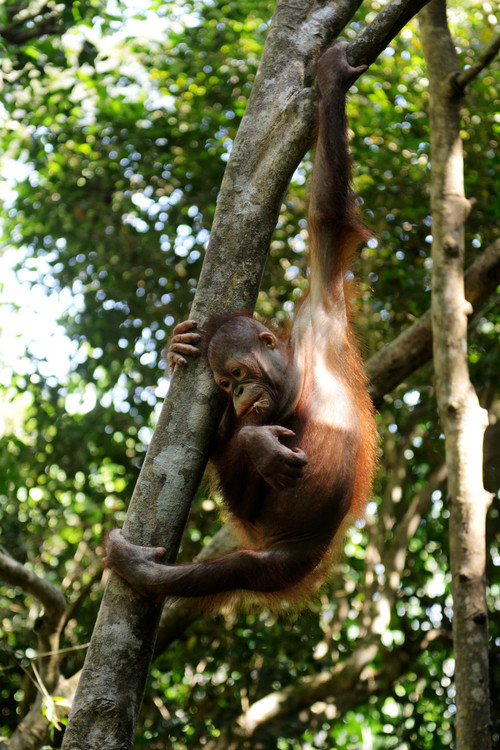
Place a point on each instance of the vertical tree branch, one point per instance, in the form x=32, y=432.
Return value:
x=463, y=420
x=273, y=137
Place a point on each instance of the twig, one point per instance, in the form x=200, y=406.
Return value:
x=468, y=75
x=374, y=38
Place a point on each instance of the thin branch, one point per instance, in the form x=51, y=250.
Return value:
x=26, y=19
x=49, y=596
x=46, y=29
x=375, y=37
x=488, y=55
x=50, y=23
x=47, y=625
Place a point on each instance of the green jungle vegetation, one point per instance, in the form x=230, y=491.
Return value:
x=117, y=123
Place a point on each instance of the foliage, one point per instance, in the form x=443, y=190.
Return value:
x=120, y=141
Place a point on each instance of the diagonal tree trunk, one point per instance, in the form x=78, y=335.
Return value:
x=272, y=139
x=462, y=418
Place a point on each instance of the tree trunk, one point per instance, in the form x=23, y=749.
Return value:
x=273, y=137
x=463, y=420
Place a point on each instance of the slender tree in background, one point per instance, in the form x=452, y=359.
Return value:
x=464, y=420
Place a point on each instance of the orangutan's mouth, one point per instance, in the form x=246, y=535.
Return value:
x=260, y=404
x=255, y=403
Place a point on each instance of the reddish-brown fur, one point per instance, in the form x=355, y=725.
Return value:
x=295, y=450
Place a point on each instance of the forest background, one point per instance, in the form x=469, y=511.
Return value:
x=117, y=126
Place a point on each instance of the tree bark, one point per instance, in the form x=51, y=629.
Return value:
x=463, y=420
x=273, y=137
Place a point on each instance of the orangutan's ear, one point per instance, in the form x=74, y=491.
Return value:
x=269, y=339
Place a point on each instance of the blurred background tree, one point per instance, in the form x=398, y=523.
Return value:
x=118, y=119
